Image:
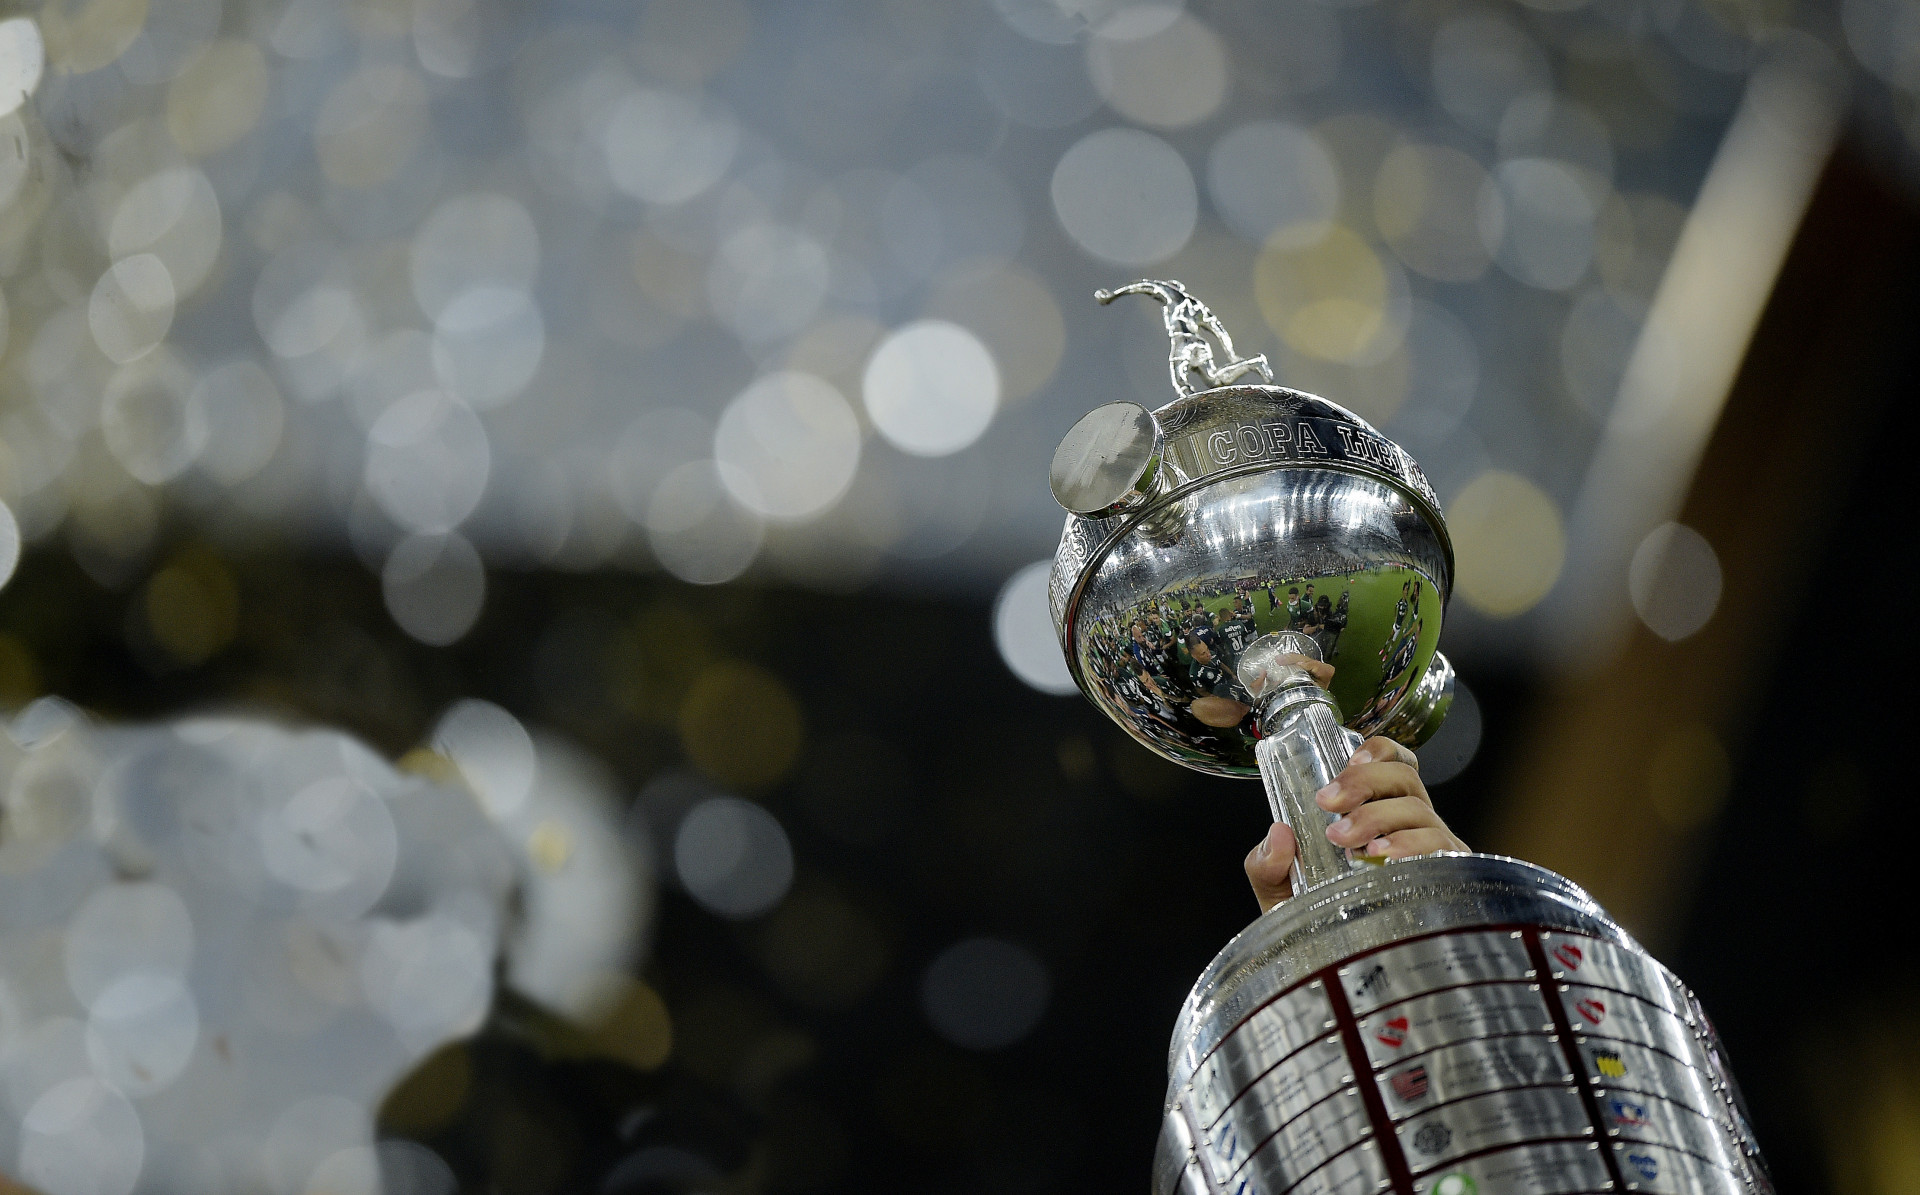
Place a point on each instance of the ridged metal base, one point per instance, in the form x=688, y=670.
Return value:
x=1450, y=1025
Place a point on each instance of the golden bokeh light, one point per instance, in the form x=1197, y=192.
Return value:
x=730, y=705
x=1332, y=300
x=193, y=606
x=1508, y=541
x=1688, y=776
x=85, y=35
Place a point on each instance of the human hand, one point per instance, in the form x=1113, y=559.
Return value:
x=1386, y=813
x=1269, y=866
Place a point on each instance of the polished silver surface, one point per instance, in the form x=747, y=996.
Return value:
x=1264, y=1039
x=1577, y=959
x=1633, y=1116
x=1624, y=1068
x=1109, y=462
x=1359, y=1171
x=1302, y=748
x=1452, y=974
x=1663, y=1171
x=1602, y=1012
x=1551, y=1168
x=1457, y=1014
x=1186, y=318
x=1302, y=1143
x=1251, y=579
x=1429, y=964
x=1471, y=1068
x=1279, y=1097
x=1378, y=907
x=1268, y=510
x=1495, y=1118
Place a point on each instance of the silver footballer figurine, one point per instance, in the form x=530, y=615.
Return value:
x=1451, y=1024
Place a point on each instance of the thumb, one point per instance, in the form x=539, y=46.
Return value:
x=1269, y=867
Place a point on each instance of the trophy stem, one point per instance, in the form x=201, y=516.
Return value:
x=1297, y=759
x=1301, y=749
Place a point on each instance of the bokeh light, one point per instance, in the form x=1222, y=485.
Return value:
x=697, y=529
x=594, y=230
x=931, y=388
x=1023, y=631
x=1126, y=197
x=1274, y=180
x=308, y=920
x=984, y=993
x=22, y=57
x=1335, y=299
x=435, y=586
x=1674, y=580
x=787, y=446
x=1158, y=66
x=733, y=857
x=1509, y=542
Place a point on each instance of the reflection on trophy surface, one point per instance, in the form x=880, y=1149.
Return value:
x=1252, y=580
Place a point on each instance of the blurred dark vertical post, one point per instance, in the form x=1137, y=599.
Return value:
x=1655, y=780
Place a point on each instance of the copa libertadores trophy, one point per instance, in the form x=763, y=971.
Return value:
x=1453, y=1024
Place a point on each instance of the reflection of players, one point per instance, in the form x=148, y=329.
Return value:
x=1239, y=630
x=1399, y=620
x=1220, y=701
x=1336, y=623
x=1402, y=658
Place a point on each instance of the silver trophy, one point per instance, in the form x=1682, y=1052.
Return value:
x=1453, y=1024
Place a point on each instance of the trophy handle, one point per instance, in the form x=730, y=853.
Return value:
x=1302, y=748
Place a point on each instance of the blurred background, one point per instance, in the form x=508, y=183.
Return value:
x=522, y=539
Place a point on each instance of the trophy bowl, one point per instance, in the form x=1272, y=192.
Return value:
x=1263, y=510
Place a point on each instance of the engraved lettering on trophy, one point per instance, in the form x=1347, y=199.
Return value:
x=1358, y=444
x=1221, y=447
x=1434, y=963
x=1279, y=439
x=1286, y=1092
x=1252, y=443
x=1473, y=1068
x=1452, y=1015
x=1497, y=1118
x=1600, y=964
x=1309, y=443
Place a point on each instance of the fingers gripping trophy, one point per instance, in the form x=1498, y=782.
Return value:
x=1251, y=583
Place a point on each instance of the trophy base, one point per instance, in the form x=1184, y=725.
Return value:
x=1449, y=1025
